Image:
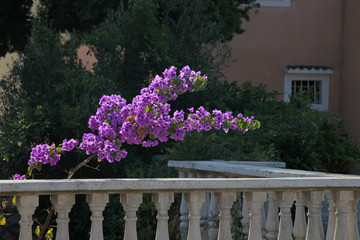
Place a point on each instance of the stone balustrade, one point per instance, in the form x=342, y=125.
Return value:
x=277, y=217
x=221, y=193
x=245, y=169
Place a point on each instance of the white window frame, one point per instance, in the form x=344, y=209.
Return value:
x=309, y=75
x=274, y=3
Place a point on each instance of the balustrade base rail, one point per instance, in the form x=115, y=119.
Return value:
x=206, y=206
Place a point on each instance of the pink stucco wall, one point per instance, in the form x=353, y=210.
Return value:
x=87, y=57
x=308, y=33
x=351, y=69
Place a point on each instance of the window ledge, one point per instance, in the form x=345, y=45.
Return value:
x=274, y=3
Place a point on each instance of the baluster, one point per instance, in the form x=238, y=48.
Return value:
x=225, y=201
x=213, y=214
x=321, y=226
x=204, y=214
x=26, y=205
x=332, y=218
x=272, y=220
x=194, y=201
x=342, y=199
x=255, y=201
x=97, y=203
x=212, y=217
x=184, y=212
x=63, y=203
x=263, y=223
x=286, y=200
x=314, y=205
x=162, y=202
x=131, y=203
x=238, y=216
x=300, y=221
x=245, y=221
x=352, y=219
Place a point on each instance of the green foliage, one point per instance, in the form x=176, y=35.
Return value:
x=79, y=226
x=130, y=45
x=16, y=19
x=290, y=132
x=226, y=14
x=141, y=38
x=69, y=15
x=15, y=24
x=47, y=97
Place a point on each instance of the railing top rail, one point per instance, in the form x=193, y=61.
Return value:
x=247, y=169
x=15, y=187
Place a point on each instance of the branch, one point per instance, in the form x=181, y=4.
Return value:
x=95, y=168
x=73, y=171
x=5, y=204
x=46, y=224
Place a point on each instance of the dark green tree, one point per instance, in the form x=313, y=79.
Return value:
x=75, y=15
x=16, y=18
x=48, y=96
x=15, y=24
x=141, y=38
x=292, y=132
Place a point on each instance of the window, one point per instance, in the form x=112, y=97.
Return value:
x=274, y=3
x=311, y=80
x=308, y=87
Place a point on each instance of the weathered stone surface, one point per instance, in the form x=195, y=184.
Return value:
x=248, y=169
x=10, y=187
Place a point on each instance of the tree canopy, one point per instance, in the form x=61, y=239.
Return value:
x=15, y=23
x=72, y=15
x=48, y=95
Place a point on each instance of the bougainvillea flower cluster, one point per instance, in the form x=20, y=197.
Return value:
x=69, y=145
x=44, y=154
x=19, y=177
x=148, y=120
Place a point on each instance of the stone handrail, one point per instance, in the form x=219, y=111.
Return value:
x=247, y=169
x=343, y=194
x=270, y=220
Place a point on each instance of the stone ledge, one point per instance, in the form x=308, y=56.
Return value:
x=248, y=169
x=43, y=187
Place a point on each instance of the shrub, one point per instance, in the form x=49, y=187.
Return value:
x=291, y=132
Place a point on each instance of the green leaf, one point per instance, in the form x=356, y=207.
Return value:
x=53, y=155
x=2, y=220
x=37, y=231
x=3, y=204
x=199, y=83
x=171, y=130
x=31, y=168
x=49, y=234
x=14, y=200
x=226, y=124
x=38, y=166
x=58, y=150
x=176, y=82
x=147, y=109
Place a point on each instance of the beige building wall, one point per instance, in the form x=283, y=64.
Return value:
x=6, y=62
x=351, y=69
x=307, y=32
